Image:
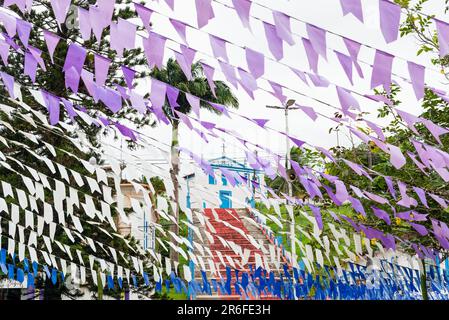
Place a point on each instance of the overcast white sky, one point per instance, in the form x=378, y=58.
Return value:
x=323, y=13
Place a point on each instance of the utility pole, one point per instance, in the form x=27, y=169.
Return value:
x=287, y=107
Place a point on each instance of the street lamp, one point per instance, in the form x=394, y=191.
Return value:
x=287, y=107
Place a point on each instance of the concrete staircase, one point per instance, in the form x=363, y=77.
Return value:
x=235, y=218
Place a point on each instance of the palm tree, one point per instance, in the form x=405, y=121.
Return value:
x=173, y=75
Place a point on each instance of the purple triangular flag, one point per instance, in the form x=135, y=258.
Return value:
x=353, y=48
x=30, y=66
x=20, y=4
x=4, y=51
x=443, y=37
x=8, y=81
x=123, y=36
x=397, y=159
x=346, y=64
x=248, y=82
x=84, y=23
x=172, y=96
x=381, y=75
x=158, y=92
x=300, y=74
x=60, y=9
x=283, y=29
x=434, y=129
x=144, y=14
x=312, y=56
x=171, y=4
x=154, y=47
x=180, y=28
x=101, y=69
x=218, y=47
x=52, y=102
x=112, y=99
x=23, y=31
x=256, y=62
x=209, y=74
x=277, y=92
x=194, y=103
x=68, y=105
x=204, y=12
x=125, y=131
x=346, y=99
x=310, y=112
x=274, y=42
x=52, y=41
x=352, y=6
x=243, y=8
x=417, y=75
x=390, y=16
x=129, y=76
x=317, y=38
x=229, y=72
x=185, y=60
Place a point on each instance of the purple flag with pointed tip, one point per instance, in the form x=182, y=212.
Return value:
x=170, y=3
x=23, y=31
x=101, y=69
x=158, y=92
x=60, y=9
x=381, y=75
x=317, y=38
x=194, y=103
x=301, y=75
x=248, y=82
x=125, y=131
x=84, y=23
x=112, y=99
x=52, y=102
x=434, y=129
x=346, y=99
x=417, y=75
x=274, y=42
x=209, y=74
x=243, y=8
x=172, y=96
x=317, y=213
x=218, y=47
x=381, y=214
x=129, y=76
x=420, y=229
x=204, y=12
x=346, y=64
x=353, y=48
x=52, y=41
x=180, y=28
x=256, y=62
x=312, y=55
x=154, y=47
x=8, y=81
x=185, y=60
x=443, y=37
x=68, y=105
x=310, y=112
x=277, y=92
x=229, y=72
x=352, y=6
x=390, y=16
x=283, y=29
x=144, y=14
x=30, y=66
x=4, y=51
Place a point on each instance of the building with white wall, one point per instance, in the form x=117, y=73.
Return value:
x=215, y=191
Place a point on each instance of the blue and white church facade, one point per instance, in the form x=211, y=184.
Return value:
x=215, y=191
